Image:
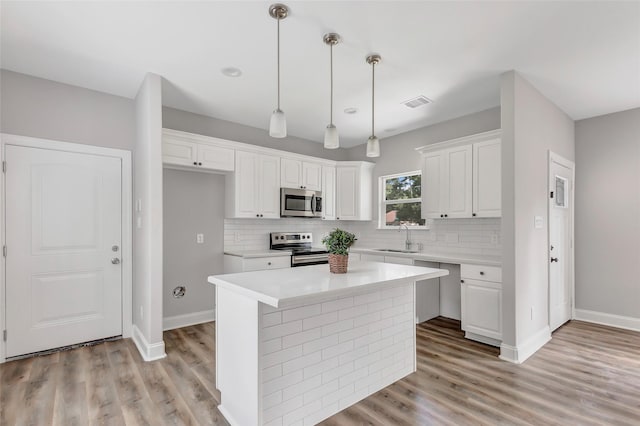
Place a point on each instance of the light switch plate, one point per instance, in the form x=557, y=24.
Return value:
x=538, y=222
x=200, y=238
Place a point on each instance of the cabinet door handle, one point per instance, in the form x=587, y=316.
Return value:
x=199, y=164
x=195, y=163
x=257, y=215
x=554, y=259
x=269, y=263
x=473, y=214
x=481, y=273
x=462, y=281
x=441, y=215
x=446, y=215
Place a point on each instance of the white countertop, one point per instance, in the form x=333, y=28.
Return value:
x=294, y=286
x=435, y=257
x=248, y=254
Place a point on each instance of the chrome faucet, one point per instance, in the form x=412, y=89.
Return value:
x=407, y=243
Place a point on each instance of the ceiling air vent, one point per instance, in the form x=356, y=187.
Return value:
x=416, y=102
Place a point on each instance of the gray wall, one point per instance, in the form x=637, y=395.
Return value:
x=193, y=203
x=200, y=124
x=608, y=214
x=531, y=126
x=32, y=106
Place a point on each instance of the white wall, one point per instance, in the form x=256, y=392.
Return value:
x=147, y=287
x=32, y=106
x=608, y=215
x=531, y=126
x=193, y=203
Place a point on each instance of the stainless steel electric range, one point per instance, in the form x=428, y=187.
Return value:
x=301, y=246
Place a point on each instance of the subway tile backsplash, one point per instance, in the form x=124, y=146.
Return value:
x=451, y=236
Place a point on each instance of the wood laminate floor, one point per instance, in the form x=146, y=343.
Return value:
x=586, y=375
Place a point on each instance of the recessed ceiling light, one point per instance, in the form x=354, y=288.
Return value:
x=350, y=110
x=231, y=71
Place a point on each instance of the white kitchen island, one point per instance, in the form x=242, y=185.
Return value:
x=297, y=345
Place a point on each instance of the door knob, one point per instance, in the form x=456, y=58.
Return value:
x=115, y=260
x=554, y=259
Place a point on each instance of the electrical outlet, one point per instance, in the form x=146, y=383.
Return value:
x=200, y=238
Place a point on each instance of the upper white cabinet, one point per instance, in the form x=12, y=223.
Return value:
x=300, y=174
x=180, y=151
x=462, y=178
x=328, y=193
x=354, y=199
x=487, y=194
x=254, y=189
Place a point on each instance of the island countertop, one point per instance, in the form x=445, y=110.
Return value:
x=295, y=286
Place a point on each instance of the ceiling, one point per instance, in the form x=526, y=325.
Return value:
x=584, y=56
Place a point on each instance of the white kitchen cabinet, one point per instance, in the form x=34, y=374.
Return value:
x=487, y=179
x=254, y=189
x=178, y=151
x=328, y=193
x=481, y=296
x=371, y=258
x=462, y=178
x=354, y=187
x=234, y=264
x=448, y=181
x=300, y=174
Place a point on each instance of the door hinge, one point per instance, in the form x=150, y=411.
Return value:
x=4, y=335
x=4, y=251
x=4, y=167
x=551, y=195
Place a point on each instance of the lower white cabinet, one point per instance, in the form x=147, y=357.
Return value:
x=233, y=264
x=481, y=298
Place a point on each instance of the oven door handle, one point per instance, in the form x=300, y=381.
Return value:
x=311, y=258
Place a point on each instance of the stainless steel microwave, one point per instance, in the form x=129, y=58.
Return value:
x=300, y=203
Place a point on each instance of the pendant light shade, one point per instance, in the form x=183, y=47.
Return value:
x=331, y=138
x=373, y=144
x=373, y=147
x=278, y=123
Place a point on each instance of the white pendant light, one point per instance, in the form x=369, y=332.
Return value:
x=373, y=144
x=278, y=124
x=331, y=138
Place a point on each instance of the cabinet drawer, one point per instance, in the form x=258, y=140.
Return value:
x=480, y=272
x=262, y=263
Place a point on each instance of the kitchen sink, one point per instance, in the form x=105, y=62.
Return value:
x=395, y=250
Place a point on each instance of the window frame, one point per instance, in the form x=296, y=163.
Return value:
x=382, y=201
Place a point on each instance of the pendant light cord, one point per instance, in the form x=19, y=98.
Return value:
x=331, y=72
x=278, y=64
x=373, y=97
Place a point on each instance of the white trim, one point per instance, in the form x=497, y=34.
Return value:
x=224, y=143
x=147, y=351
x=558, y=159
x=382, y=202
x=519, y=354
x=185, y=320
x=227, y=416
x=612, y=320
x=465, y=140
x=482, y=339
x=127, y=237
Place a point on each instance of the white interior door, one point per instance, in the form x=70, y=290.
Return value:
x=63, y=269
x=560, y=266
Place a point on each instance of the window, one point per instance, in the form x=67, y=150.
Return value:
x=400, y=200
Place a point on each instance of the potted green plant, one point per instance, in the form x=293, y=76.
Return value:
x=338, y=242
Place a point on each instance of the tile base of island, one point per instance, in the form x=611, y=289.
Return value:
x=296, y=346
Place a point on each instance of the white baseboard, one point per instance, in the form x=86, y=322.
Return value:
x=179, y=321
x=519, y=354
x=628, y=323
x=149, y=352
